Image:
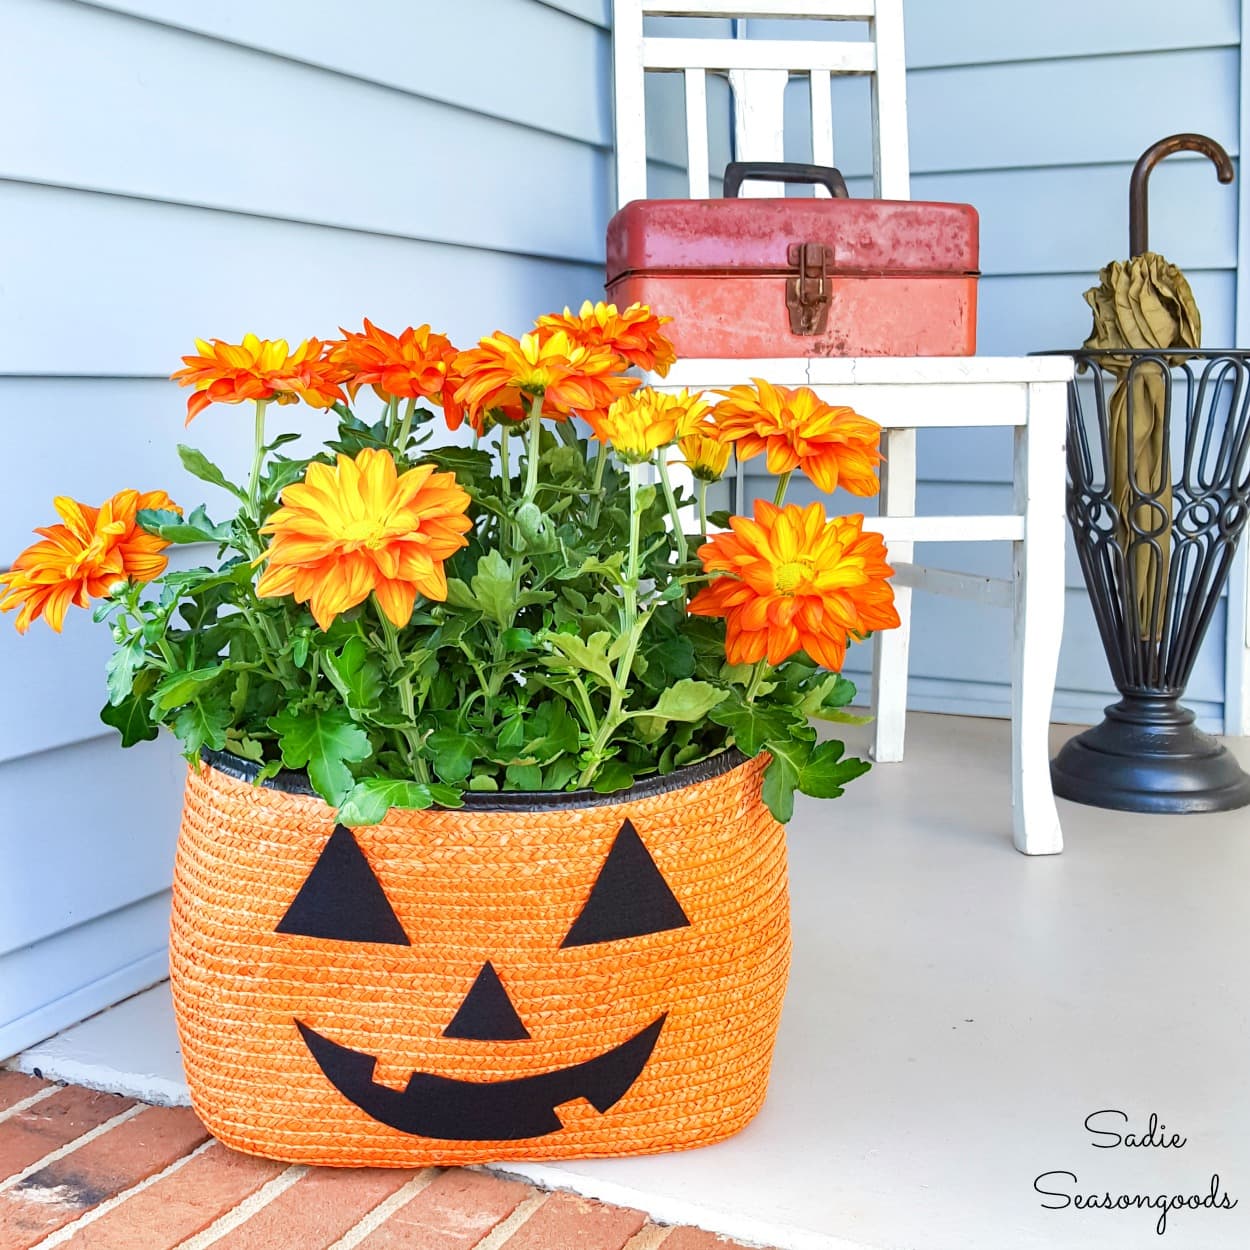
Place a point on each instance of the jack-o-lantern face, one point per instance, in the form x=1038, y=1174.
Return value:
x=517, y=979
x=343, y=900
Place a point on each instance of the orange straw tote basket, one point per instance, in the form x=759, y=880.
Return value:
x=528, y=977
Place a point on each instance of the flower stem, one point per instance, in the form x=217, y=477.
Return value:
x=532, y=441
x=596, y=489
x=703, y=509
x=405, y=426
x=258, y=456
x=683, y=552
x=407, y=696
x=782, y=482
x=631, y=568
x=757, y=676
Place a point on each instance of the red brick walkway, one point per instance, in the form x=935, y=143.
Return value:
x=98, y=1172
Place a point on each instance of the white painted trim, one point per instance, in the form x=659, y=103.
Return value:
x=852, y=10
x=699, y=181
x=779, y=54
x=994, y=592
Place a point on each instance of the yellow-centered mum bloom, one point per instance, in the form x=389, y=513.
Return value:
x=795, y=581
x=568, y=376
x=230, y=373
x=84, y=557
x=633, y=334
x=636, y=425
x=796, y=429
x=359, y=528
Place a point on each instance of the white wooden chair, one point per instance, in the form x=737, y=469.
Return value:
x=1027, y=394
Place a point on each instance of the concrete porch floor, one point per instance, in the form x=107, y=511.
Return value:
x=956, y=1012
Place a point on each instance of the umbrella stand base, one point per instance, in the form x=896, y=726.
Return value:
x=1148, y=756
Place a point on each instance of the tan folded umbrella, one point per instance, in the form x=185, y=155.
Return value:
x=1145, y=302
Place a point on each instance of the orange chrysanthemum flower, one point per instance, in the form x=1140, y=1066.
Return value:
x=796, y=429
x=360, y=527
x=635, y=425
x=795, y=581
x=633, y=334
x=85, y=557
x=568, y=376
x=410, y=365
x=231, y=373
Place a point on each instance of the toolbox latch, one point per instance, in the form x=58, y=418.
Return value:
x=807, y=293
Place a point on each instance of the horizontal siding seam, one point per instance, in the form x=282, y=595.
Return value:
x=1041, y=59
x=101, y=6
x=429, y=240
x=577, y=17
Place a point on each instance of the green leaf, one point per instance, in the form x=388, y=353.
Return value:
x=179, y=688
x=613, y=776
x=203, y=723
x=493, y=588
x=524, y=776
x=199, y=465
x=752, y=724
x=826, y=772
x=132, y=716
x=173, y=528
x=512, y=733
x=281, y=474
x=325, y=741
x=589, y=655
x=355, y=674
x=516, y=639
x=460, y=596
x=780, y=782
x=122, y=666
x=368, y=801
x=483, y=784
x=686, y=700
x=453, y=753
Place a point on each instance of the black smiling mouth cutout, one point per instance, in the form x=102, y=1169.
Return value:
x=509, y=1110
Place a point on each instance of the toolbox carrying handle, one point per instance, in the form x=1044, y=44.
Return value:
x=737, y=172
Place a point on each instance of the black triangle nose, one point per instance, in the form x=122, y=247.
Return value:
x=487, y=1013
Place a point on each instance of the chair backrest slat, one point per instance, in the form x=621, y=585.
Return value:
x=696, y=134
x=849, y=10
x=758, y=71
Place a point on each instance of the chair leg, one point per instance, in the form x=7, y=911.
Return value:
x=890, y=648
x=1038, y=618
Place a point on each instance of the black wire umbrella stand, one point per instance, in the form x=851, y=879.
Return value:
x=1156, y=566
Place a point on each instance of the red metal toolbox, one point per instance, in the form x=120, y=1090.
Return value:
x=800, y=277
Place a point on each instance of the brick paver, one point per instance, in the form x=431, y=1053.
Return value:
x=181, y=1204
x=52, y=1123
x=453, y=1213
x=92, y=1184
x=14, y=1086
x=566, y=1221
x=317, y=1210
x=697, y=1239
x=101, y=1169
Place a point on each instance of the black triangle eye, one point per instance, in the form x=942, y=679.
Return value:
x=629, y=898
x=343, y=899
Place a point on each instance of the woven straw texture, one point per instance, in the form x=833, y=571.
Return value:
x=469, y=887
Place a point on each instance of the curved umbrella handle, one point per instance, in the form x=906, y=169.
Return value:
x=1138, y=226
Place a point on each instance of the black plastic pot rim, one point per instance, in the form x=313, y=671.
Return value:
x=290, y=782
